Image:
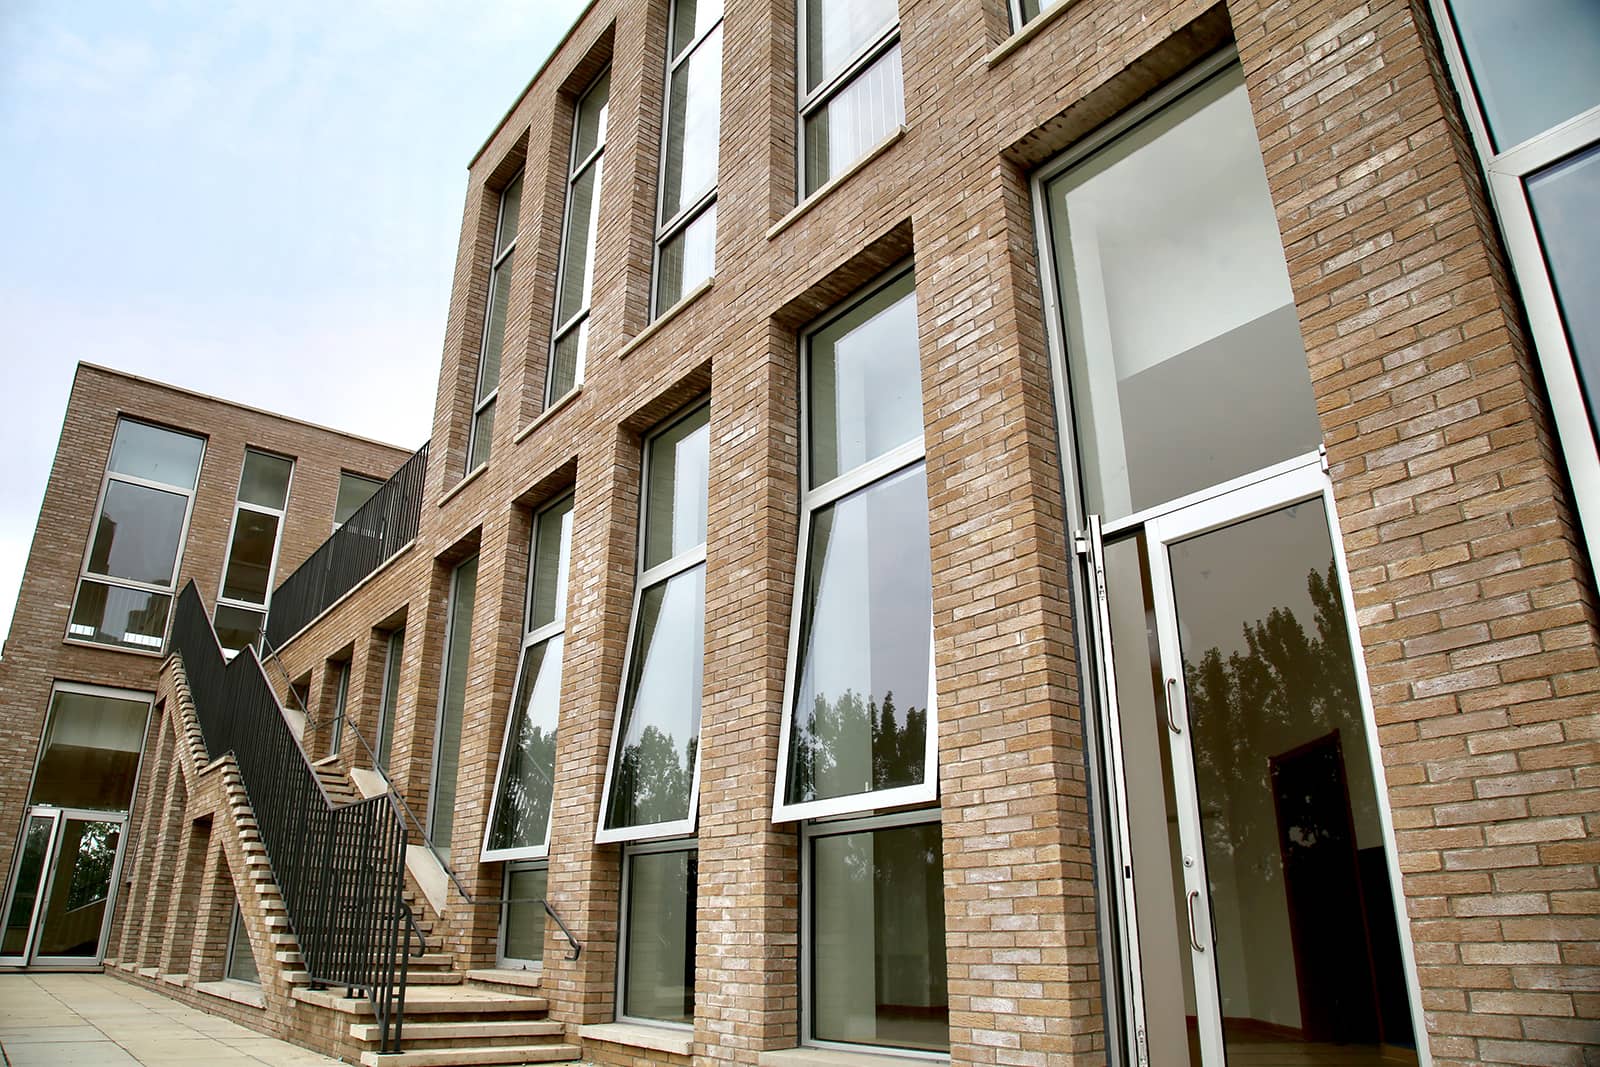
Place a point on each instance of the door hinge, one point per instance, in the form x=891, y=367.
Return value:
x=1322, y=457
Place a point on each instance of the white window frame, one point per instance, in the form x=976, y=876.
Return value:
x=501, y=960
x=809, y=832
x=576, y=169
x=281, y=514
x=688, y=214
x=500, y=255
x=1020, y=21
x=646, y=580
x=438, y=715
x=809, y=103
x=896, y=460
x=531, y=638
x=1508, y=171
x=170, y=590
x=341, y=706
x=644, y=848
x=394, y=643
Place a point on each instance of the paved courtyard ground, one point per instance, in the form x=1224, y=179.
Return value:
x=49, y=1020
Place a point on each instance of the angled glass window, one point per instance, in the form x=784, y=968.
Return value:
x=354, y=491
x=859, y=731
x=686, y=215
x=570, y=343
x=519, y=820
x=851, y=91
x=494, y=325
x=653, y=774
x=258, y=512
x=130, y=569
x=394, y=654
x=452, y=705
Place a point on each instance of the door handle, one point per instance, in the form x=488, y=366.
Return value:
x=1172, y=706
x=1194, y=933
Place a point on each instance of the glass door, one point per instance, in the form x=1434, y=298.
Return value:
x=22, y=907
x=62, y=893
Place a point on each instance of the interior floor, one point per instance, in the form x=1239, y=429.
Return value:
x=1263, y=1050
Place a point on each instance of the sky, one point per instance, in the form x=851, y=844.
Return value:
x=257, y=199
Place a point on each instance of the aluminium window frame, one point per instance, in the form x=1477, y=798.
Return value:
x=281, y=514
x=107, y=475
x=532, y=637
x=497, y=263
x=501, y=960
x=132, y=696
x=1506, y=172
x=576, y=169
x=880, y=468
x=809, y=104
x=444, y=677
x=341, y=705
x=629, y=851
x=645, y=580
x=668, y=229
x=234, y=926
x=394, y=644
x=810, y=830
x=379, y=483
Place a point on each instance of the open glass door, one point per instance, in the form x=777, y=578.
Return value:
x=33, y=864
x=62, y=890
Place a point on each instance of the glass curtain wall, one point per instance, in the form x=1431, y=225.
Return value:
x=258, y=512
x=851, y=89
x=487, y=387
x=569, y=344
x=686, y=215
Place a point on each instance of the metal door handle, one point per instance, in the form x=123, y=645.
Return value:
x=1172, y=706
x=1194, y=934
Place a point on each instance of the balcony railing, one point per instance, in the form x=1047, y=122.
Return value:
x=340, y=868
x=379, y=528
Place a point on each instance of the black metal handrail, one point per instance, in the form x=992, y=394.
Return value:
x=339, y=867
x=379, y=528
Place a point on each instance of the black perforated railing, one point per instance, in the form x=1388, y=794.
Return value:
x=340, y=868
x=379, y=528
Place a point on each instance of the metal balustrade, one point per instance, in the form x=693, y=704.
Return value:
x=379, y=528
x=340, y=868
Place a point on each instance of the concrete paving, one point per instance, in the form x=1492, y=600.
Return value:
x=50, y=1020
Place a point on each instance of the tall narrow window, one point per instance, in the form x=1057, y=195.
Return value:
x=341, y=704
x=575, y=283
x=851, y=97
x=652, y=782
x=519, y=821
x=354, y=491
x=859, y=732
x=252, y=549
x=686, y=217
x=494, y=325
x=131, y=567
x=452, y=704
x=241, y=966
x=658, y=940
x=394, y=650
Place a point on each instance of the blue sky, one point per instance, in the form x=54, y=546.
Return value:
x=259, y=200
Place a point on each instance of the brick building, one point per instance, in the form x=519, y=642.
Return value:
x=962, y=530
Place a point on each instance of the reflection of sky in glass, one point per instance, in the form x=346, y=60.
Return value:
x=155, y=454
x=866, y=384
x=1534, y=64
x=552, y=556
x=679, y=472
x=137, y=537
x=691, y=164
x=838, y=29
x=1566, y=206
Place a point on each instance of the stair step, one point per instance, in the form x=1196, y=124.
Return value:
x=433, y=978
x=450, y=1057
x=481, y=1030
x=504, y=978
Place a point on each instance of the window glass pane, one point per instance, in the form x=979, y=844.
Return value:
x=887, y=987
x=482, y=435
x=249, y=574
x=495, y=335
x=138, y=533
x=552, y=551
x=865, y=383
x=661, y=936
x=354, y=491
x=113, y=615
x=838, y=29
x=854, y=120
x=527, y=773
x=691, y=18
x=157, y=455
x=1535, y=65
x=71, y=921
x=265, y=480
x=577, y=268
x=659, y=731
x=453, y=699
x=687, y=259
x=589, y=124
x=1566, y=207
x=26, y=884
x=341, y=701
x=1184, y=349
x=861, y=703
x=566, y=361
x=510, y=208
x=391, y=693
x=694, y=109
x=241, y=960
x=236, y=628
x=90, y=754
x=675, y=513
x=524, y=914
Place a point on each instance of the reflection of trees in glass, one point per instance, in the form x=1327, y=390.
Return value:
x=91, y=874
x=1286, y=680
x=653, y=780
x=828, y=740
x=524, y=810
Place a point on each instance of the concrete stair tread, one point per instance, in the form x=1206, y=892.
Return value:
x=497, y=976
x=495, y=1054
x=430, y=1000
x=482, y=1028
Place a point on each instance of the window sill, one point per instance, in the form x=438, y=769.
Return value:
x=837, y=180
x=148, y=652
x=238, y=992
x=829, y=1057
x=673, y=312
x=564, y=401
x=1027, y=33
x=636, y=1035
x=455, y=490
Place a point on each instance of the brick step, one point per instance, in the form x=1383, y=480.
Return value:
x=450, y=1003
x=483, y=1033
x=450, y=1057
